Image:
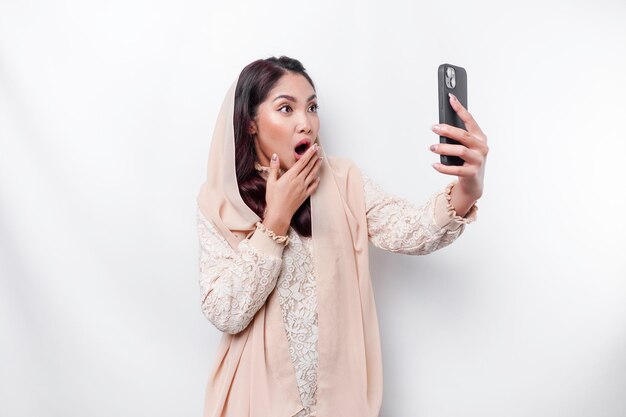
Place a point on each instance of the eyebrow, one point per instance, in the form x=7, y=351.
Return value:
x=291, y=98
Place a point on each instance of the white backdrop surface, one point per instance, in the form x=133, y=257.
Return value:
x=106, y=114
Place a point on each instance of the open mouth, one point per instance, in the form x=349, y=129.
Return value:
x=302, y=147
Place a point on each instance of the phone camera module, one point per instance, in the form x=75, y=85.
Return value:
x=450, y=78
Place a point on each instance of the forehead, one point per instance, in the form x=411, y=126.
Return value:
x=294, y=85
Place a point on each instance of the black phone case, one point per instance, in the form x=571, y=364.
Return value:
x=446, y=112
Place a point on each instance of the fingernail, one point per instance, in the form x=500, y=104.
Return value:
x=274, y=157
x=433, y=147
x=435, y=127
x=435, y=165
x=452, y=96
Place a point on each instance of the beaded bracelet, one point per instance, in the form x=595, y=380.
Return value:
x=278, y=239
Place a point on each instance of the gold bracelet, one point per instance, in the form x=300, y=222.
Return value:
x=278, y=239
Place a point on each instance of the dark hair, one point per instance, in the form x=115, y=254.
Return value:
x=254, y=84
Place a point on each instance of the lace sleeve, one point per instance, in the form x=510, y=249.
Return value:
x=397, y=225
x=234, y=284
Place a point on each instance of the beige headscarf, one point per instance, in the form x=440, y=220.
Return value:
x=253, y=375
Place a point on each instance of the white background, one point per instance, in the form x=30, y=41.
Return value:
x=106, y=114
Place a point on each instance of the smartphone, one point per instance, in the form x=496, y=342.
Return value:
x=451, y=79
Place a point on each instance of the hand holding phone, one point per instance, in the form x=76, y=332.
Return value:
x=463, y=145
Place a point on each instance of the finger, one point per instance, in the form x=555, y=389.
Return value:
x=304, y=160
x=461, y=135
x=313, y=186
x=314, y=172
x=470, y=124
x=459, y=171
x=313, y=164
x=470, y=156
x=274, y=165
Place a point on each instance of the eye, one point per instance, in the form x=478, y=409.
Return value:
x=314, y=107
x=284, y=106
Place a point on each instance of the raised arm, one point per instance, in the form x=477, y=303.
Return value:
x=235, y=284
x=397, y=225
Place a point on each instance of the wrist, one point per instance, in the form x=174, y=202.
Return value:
x=469, y=189
x=276, y=222
x=461, y=201
x=282, y=240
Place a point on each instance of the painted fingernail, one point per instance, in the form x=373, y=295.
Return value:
x=274, y=157
x=433, y=147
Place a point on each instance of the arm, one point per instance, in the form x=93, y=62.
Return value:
x=235, y=283
x=397, y=225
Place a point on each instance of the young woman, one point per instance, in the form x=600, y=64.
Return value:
x=284, y=234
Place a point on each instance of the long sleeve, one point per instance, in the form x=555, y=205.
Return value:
x=235, y=284
x=397, y=225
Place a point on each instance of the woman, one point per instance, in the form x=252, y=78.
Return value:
x=284, y=234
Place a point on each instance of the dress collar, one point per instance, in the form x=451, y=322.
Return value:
x=265, y=171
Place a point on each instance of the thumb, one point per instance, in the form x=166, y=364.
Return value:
x=274, y=165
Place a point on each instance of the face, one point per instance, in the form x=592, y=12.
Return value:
x=287, y=123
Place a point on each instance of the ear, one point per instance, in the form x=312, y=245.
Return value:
x=252, y=128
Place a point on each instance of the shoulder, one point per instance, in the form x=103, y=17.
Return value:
x=208, y=230
x=349, y=180
x=344, y=167
x=352, y=179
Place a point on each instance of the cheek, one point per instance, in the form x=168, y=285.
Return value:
x=276, y=135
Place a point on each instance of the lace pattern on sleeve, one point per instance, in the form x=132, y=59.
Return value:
x=397, y=225
x=234, y=285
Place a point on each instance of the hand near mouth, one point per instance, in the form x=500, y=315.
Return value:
x=285, y=194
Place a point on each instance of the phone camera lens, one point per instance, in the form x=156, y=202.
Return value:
x=450, y=78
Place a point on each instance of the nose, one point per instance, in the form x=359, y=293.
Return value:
x=304, y=124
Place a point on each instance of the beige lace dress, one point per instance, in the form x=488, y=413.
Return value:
x=234, y=284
